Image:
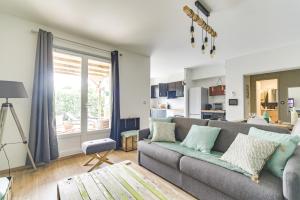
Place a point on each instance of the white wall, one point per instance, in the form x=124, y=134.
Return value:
x=279, y=59
x=17, y=55
x=167, y=78
x=207, y=71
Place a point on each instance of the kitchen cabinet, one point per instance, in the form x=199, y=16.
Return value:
x=179, y=89
x=158, y=113
x=172, y=87
x=154, y=91
x=217, y=90
x=163, y=89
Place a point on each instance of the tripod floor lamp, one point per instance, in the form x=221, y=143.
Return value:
x=8, y=90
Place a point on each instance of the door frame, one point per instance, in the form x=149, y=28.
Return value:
x=84, y=133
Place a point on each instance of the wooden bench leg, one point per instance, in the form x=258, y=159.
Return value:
x=90, y=160
x=101, y=159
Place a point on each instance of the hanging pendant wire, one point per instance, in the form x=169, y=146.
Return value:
x=207, y=24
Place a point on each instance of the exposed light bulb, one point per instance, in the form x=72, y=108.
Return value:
x=193, y=42
x=203, y=49
x=214, y=48
x=211, y=53
x=206, y=41
x=192, y=31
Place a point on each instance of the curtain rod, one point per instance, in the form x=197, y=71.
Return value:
x=71, y=41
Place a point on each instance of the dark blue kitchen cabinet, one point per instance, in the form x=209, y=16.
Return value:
x=163, y=89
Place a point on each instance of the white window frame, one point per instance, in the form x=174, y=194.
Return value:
x=85, y=56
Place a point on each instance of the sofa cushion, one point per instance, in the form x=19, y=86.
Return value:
x=232, y=183
x=229, y=131
x=166, y=156
x=183, y=126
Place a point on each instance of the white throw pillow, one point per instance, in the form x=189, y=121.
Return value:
x=296, y=129
x=249, y=153
x=163, y=132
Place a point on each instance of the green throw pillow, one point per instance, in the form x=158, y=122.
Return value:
x=201, y=138
x=287, y=146
x=151, y=120
x=163, y=132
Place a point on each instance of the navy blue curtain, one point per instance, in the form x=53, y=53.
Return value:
x=115, y=118
x=42, y=134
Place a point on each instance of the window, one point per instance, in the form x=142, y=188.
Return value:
x=81, y=107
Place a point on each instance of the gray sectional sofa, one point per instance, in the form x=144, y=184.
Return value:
x=207, y=181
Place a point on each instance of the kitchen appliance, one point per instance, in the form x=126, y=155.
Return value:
x=217, y=106
x=208, y=107
x=198, y=98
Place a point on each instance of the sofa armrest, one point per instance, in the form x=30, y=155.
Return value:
x=143, y=134
x=291, y=177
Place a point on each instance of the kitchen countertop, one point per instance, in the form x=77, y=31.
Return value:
x=213, y=111
x=177, y=110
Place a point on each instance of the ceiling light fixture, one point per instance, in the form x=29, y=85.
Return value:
x=204, y=25
x=192, y=34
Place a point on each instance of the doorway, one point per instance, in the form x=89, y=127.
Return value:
x=267, y=99
x=82, y=87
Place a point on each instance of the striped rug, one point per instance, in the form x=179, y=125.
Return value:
x=115, y=182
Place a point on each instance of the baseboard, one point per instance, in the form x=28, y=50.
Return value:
x=70, y=152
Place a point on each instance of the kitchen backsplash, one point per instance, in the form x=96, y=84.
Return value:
x=177, y=103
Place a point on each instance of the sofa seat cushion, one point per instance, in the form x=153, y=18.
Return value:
x=234, y=184
x=166, y=156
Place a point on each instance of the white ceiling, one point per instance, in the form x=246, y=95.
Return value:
x=160, y=29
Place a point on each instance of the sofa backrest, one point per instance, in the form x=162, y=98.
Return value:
x=229, y=131
x=183, y=126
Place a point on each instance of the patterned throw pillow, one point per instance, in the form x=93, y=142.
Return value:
x=287, y=146
x=152, y=120
x=249, y=153
x=163, y=132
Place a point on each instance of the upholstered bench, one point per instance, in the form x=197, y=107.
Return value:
x=95, y=147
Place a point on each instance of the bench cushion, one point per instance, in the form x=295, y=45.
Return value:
x=96, y=146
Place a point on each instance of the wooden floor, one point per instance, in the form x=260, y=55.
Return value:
x=41, y=184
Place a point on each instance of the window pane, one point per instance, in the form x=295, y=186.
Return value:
x=67, y=86
x=98, y=95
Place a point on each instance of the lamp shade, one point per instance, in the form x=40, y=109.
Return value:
x=12, y=89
